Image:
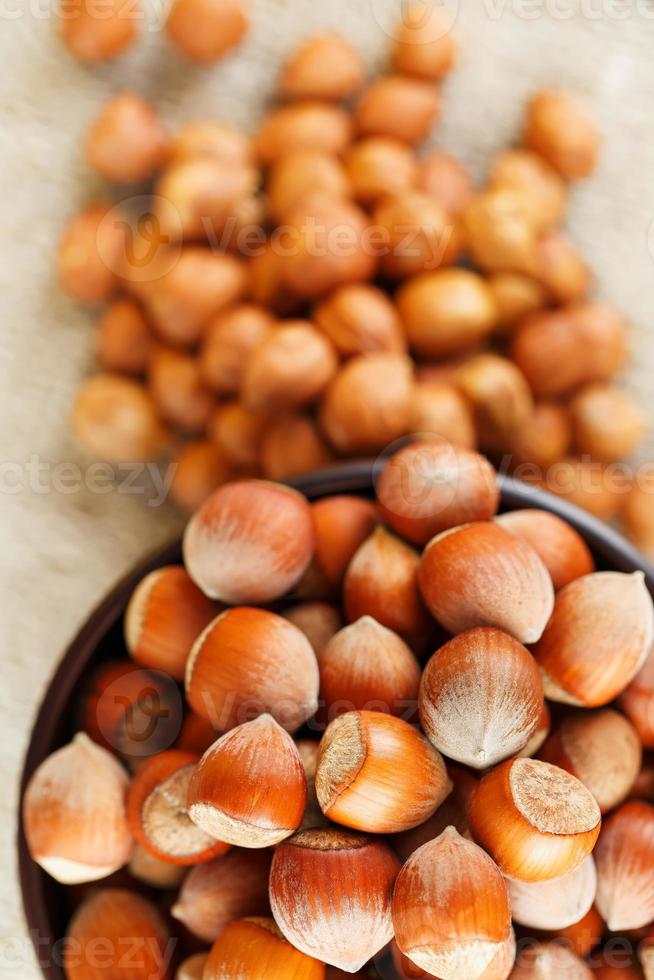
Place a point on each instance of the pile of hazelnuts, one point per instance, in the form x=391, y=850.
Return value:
x=321, y=289
x=412, y=746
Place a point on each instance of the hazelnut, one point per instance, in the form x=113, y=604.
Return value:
x=360, y=319
x=342, y=523
x=94, y=31
x=419, y=236
x=74, y=813
x=550, y=961
x=543, y=439
x=255, y=947
x=217, y=892
x=229, y=340
x=326, y=66
x=90, y=253
x=319, y=621
x=368, y=404
x=598, y=638
x=451, y=910
x=624, y=856
x=500, y=231
x=298, y=176
x=602, y=750
x=305, y=125
x=290, y=368
x=115, y=419
x=346, y=879
x=638, y=514
x=249, y=788
x=205, y=30
x=190, y=291
x=440, y=410
x=377, y=773
x=608, y=424
x=199, y=468
x=291, y=445
x=249, y=662
x=561, y=269
x=164, y=617
x=558, y=128
x=326, y=247
x=98, y=934
x=480, y=575
x=452, y=813
x=584, y=936
x=267, y=286
x=251, y=541
x=378, y=166
x=127, y=142
x=213, y=139
x=536, y=821
x=516, y=296
x=545, y=193
x=430, y=487
x=446, y=311
x=423, y=44
x=158, y=813
x=562, y=550
x=500, y=397
x=176, y=385
x=124, y=339
x=237, y=432
x=481, y=666
x=367, y=667
x=398, y=106
x=586, y=484
x=445, y=179
x=153, y=871
x=195, y=197
x=560, y=350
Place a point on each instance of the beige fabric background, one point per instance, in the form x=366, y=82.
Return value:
x=61, y=550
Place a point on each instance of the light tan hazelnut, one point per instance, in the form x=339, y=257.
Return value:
x=500, y=397
x=290, y=368
x=558, y=127
x=96, y=31
x=368, y=404
x=301, y=174
x=561, y=269
x=419, y=235
x=516, y=296
x=398, y=106
x=500, y=233
x=608, y=424
x=424, y=45
x=124, y=340
x=445, y=312
x=205, y=30
x=326, y=245
x=324, y=67
x=127, y=141
x=378, y=166
x=439, y=409
x=115, y=419
x=545, y=193
x=178, y=390
x=207, y=138
x=361, y=319
x=199, y=468
x=195, y=197
x=305, y=125
x=291, y=445
x=445, y=179
x=230, y=339
x=90, y=254
x=545, y=438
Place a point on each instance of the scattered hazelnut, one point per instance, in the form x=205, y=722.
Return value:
x=500, y=397
x=558, y=128
x=446, y=180
x=500, y=231
x=298, y=176
x=398, y=106
x=255, y=947
x=446, y=311
x=586, y=484
x=195, y=197
x=305, y=125
x=115, y=419
x=127, y=142
x=346, y=879
x=378, y=166
x=624, y=856
x=360, y=319
x=124, y=339
x=94, y=31
x=545, y=193
x=545, y=438
x=419, y=235
x=249, y=662
x=214, y=139
x=326, y=66
x=608, y=424
x=440, y=411
x=424, y=44
x=206, y=30
x=237, y=431
x=178, y=391
x=516, y=297
x=90, y=254
x=291, y=445
x=199, y=468
x=560, y=268
x=290, y=368
x=229, y=340
x=562, y=550
x=249, y=542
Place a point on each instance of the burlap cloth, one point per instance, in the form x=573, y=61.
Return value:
x=61, y=547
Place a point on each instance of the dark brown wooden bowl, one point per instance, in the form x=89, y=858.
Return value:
x=45, y=904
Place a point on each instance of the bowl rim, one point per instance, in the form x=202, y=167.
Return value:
x=357, y=477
